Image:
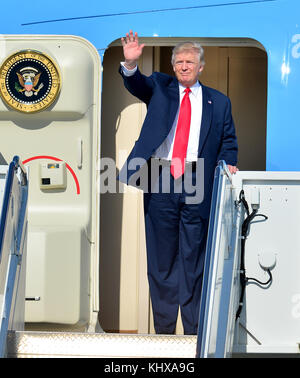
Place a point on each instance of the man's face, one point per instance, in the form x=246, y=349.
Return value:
x=187, y=68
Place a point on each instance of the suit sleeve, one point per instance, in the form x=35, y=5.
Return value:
x=229, y=146
x=138, y=85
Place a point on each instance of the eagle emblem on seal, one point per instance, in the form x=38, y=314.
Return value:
x=28, y=78
x=29, y=81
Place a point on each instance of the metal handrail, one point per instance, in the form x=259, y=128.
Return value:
x=16, y=243
x=220, y=172
x=12, y=170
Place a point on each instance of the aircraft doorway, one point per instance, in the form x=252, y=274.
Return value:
x=237, y=69
x=241, y=74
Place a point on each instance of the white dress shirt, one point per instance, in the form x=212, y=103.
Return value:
x=165, y=150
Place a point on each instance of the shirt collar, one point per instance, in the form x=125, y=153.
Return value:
x=194, y=88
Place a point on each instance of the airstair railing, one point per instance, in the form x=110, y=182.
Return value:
x=13, y=233
x=215, y=325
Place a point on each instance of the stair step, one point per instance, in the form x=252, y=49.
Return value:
x=108, y=345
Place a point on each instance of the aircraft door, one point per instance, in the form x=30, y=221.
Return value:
x=50, y=117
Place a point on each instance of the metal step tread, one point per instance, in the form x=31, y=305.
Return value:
x=77, y=344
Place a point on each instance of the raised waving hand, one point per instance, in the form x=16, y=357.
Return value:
x=132, y=49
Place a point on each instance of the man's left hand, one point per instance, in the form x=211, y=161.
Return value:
x=232, y=169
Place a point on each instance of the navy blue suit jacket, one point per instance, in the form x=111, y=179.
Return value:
x=161, y=95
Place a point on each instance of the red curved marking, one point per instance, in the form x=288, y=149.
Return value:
x=56, y=159
x=75, y=178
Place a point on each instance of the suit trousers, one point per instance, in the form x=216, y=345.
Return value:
x=176, y=240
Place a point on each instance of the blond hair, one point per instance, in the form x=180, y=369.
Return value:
x=188, y=46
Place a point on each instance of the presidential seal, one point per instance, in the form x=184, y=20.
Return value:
x=29, y=81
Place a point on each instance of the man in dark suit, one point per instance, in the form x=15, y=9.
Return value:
x=187, y=125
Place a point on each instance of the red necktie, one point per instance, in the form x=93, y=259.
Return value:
x=181, y=136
